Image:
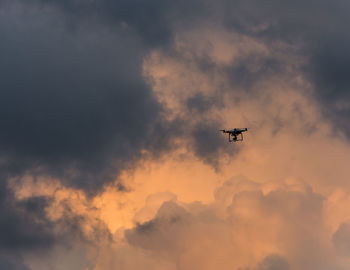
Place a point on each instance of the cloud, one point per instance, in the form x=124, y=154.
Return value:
x=341, y=239
x=23, y=223
x=282, y=229
x=273, y=262
x=73, y=104
x=91, y=96
x=208, y=144
x=11, y=263
x=320, y=33
x=153, y=21
x=23, y=228
x=91, y=89
x=40, y=227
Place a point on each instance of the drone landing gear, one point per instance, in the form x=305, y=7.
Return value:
x=234, y=138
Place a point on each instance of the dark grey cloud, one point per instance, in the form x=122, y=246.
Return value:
x=9, y=262
x=23, y=228
x=23, y=224
x=153, y=21
x=208, y=143
x=341, y=239
x=200, y=104
x=271, y=262
x=72, y=104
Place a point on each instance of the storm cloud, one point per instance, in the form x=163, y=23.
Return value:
x=91, y=89
x=73, y=104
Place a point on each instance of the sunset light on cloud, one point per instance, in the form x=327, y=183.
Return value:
x=110, y=151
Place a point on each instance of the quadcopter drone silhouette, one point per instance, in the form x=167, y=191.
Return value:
x=234, y=133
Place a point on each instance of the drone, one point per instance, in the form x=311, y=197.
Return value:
x=235, y=135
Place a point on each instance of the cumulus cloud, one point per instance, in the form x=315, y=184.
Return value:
x=243, y=228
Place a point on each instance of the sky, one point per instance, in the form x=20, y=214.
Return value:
x=110, y=150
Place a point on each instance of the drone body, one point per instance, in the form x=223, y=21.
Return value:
x=234, y=133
